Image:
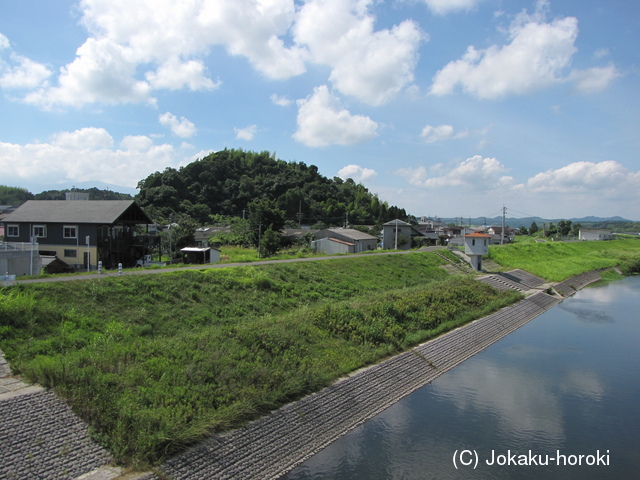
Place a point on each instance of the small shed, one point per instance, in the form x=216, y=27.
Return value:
x=52, y=264
x=200, y=255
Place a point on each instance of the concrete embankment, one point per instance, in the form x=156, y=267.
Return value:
x=273, y=445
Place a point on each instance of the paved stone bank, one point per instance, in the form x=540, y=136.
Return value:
x=271, y=446
x=572, y=285
x=40, y=438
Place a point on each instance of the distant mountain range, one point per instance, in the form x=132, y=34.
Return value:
x=526, y=222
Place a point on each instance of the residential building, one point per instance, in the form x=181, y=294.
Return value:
x=343, y=240
x=83, y=232
x=594, y=234
x=400, y=235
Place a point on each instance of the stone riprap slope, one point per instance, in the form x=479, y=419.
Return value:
x=513, y=280
x=573, y=284
x=40, y=438
x=271, y=446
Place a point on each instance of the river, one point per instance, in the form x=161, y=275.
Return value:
x=563, y=390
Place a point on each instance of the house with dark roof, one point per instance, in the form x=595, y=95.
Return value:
x=343, y=240
x=400, y=235
x=83, y=232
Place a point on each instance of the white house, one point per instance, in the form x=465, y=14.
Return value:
x=343, y=240
x=475, y=246
x=594, y=234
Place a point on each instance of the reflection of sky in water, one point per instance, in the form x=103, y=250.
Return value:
x=524, y=403
x=567, y=380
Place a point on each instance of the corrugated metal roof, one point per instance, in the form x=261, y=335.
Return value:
x=73, y=211
x=352, y=233
x=337, y=240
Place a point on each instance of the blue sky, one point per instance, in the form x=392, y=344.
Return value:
x=443, y=107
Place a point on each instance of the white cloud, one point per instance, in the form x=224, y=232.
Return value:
x=4, y=42
x=20, y=72
x=594, y=79
x=103, y=72
x=174, y=75
x=246, y=133
x=535, y=59
x=607, y=178
x=182, y=128
x=23, y=74
x=138, y=46
x=83, y=155
x=442, y=7
x=440, y=133
x=89, y=138
x=322, y=121
x=476, y=173
x=372, y=66
x=280, y=101
x=357, y=173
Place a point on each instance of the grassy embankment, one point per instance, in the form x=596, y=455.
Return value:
x=557, y=261
x=156, y=362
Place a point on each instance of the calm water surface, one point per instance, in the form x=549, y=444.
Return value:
x=567, y=381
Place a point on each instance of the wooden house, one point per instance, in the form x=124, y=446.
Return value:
x=83, y=232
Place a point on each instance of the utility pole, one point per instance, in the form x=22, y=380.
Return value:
x=504, y=213
x=396, y=243
x=300, y=214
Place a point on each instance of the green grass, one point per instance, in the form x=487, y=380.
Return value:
x=557, y=261
x=155, y=363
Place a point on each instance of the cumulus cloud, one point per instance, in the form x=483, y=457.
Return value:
x=180, y=127
x=322, y=121
x=442, y=7
x=440, y=133
x=138, y=46
x=357, y=173
x=370, y=65
x=20, y=72
x=536, y=57
x=477, y=173
x=88, y=154
x=607, y=177
x=175, y=74
x=246, y=133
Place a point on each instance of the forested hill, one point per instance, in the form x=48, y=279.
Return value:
x=232, y=182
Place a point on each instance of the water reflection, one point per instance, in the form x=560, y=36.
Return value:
x=567, y=380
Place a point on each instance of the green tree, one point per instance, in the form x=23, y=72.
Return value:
x=264, y=215
x=179, y=234
x=523, y=230
x=533, y=228
x=269, y=243
x=14, y=195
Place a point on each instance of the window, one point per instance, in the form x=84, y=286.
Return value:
x=40, y=231
x=70, y=231
x=13, y=230
x=70, y=253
